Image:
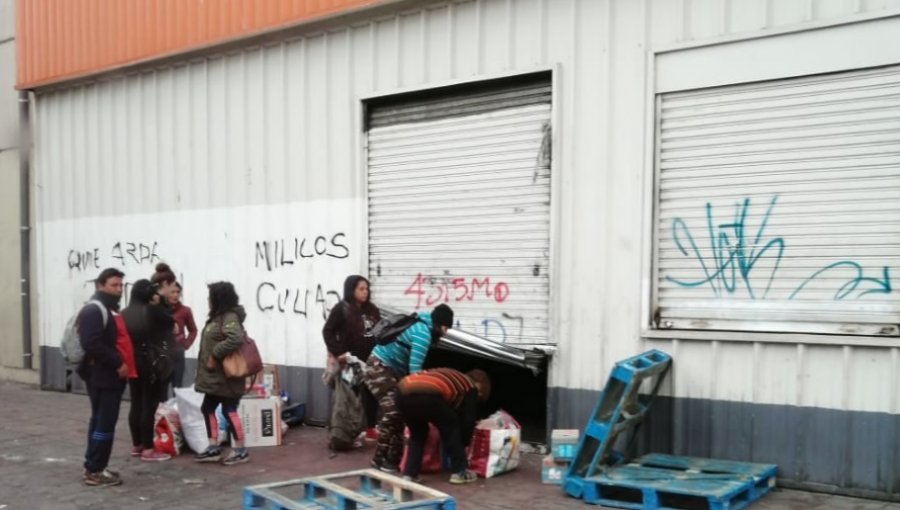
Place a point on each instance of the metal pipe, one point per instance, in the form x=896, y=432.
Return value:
x=25, y=224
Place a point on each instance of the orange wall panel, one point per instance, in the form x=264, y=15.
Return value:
x=63, y=39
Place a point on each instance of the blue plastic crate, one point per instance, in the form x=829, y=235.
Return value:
x=352, y=490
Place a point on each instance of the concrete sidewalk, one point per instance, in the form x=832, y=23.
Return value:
x=43, y=434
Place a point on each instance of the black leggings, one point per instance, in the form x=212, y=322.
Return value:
x=145, y=398
x=229, y=409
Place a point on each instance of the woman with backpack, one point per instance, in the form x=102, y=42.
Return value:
x=222, y=335
x=345, y=332
x=150, y=326
x=392, y=361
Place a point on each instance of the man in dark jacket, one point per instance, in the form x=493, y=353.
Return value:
x=104, y=374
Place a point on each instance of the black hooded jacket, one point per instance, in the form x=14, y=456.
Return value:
x=348, y=323
x=147, y=324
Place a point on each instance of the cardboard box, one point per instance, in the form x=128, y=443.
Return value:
x=261, y=421
x=553, y=471
x=266, y=384
x=563, y=443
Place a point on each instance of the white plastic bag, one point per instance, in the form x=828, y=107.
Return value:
x=495, y=445
x=192, y=421
x=167, y=436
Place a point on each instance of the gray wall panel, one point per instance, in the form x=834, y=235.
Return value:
x=53, y=369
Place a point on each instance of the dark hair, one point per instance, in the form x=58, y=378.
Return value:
x=481, y=377
x=350, y=285
x=106, y=274
x=179, y=286
x=442, y=315
x=142, y=291
x=163, y=274
x=222, y=298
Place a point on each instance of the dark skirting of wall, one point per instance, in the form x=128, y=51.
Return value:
x=842, y=452
x=302, y=384
x=517, y=390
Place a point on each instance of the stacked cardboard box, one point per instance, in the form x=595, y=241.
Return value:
x=562, y=450
x=260, y=410
x=266, y=384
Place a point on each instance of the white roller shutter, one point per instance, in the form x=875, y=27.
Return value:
x=778, y=206
x=459, y=206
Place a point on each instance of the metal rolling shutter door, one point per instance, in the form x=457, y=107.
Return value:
x=459, y=207
x=779, y=206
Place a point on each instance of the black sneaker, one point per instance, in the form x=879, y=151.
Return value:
x=237, y=456
x=210, y=454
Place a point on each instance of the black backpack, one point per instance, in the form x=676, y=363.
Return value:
x=387, y=330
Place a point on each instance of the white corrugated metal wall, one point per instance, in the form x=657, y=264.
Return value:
x=277, y=125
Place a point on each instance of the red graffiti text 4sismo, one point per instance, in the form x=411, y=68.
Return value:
x=432, y=290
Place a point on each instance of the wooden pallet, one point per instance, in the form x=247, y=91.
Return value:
x=352, y=490
x=680, y=483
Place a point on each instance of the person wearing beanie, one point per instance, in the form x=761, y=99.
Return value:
x=387, y=365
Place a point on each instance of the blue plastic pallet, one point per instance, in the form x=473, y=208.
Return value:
x=619, y=409
x=677, y=483
x=352, y=490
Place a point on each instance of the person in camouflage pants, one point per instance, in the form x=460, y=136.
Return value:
x=386, y=366
x=383, y=384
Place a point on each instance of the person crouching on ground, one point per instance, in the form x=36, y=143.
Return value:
x=387, y=365
x=222, y=335
x=448, y=399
